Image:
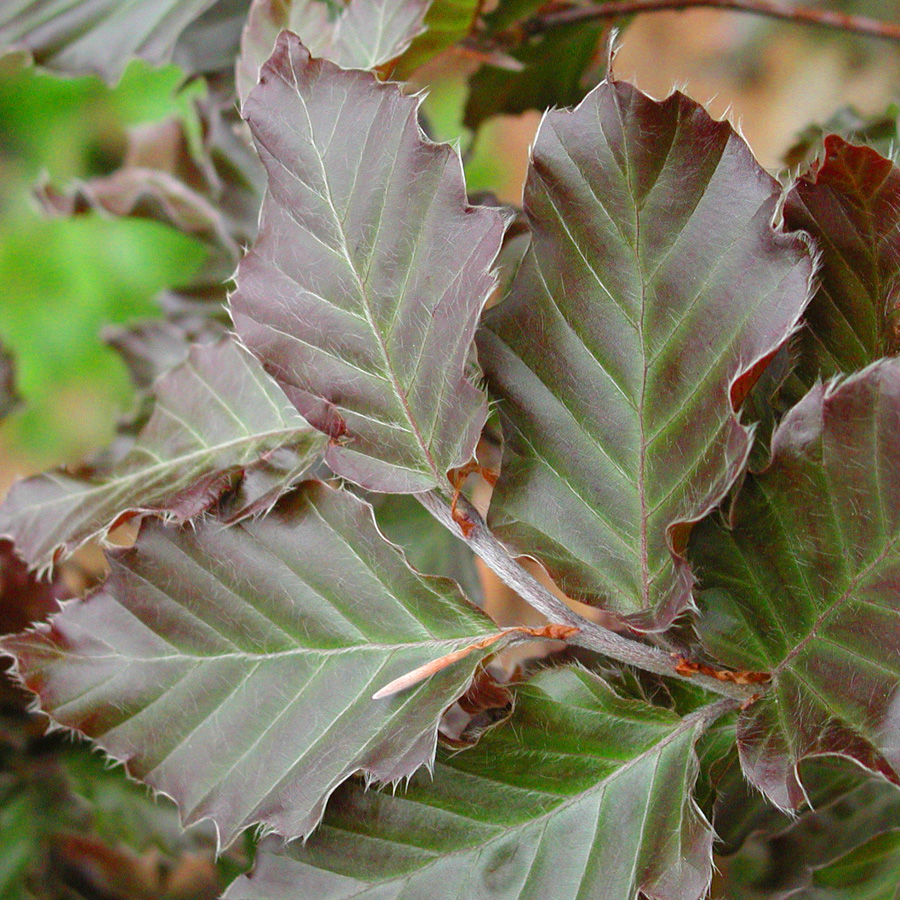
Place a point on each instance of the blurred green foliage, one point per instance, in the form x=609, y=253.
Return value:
x=63, y=280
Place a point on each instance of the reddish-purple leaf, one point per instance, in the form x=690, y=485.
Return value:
x=582, y=795
x=363, y=290
x=655, y=289
x=100, y=36
x=216, y=415
x=850, y=204
x=233, y=668
x=363, y=35
x=805, y=585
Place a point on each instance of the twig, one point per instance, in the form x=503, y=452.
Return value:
x=590, y=635
x=800, y=14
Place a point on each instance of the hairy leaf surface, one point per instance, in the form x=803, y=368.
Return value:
x=805, y=585
x=216, y=414
x=100, y=36
x=234, y=668
x=362, y=292
x=363, y=35
x=850, y=204
x=654, y=289
x=581, y=794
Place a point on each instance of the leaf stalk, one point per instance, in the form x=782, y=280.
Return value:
x=590, y=635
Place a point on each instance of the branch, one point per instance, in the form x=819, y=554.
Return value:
x=775, y=9
x=590, y=635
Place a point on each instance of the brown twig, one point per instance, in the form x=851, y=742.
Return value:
x=800, y=14
x=587, y=634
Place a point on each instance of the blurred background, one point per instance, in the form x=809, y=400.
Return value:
x=63, y=280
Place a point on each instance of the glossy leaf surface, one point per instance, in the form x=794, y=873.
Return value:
x=805, y=585
x=91, y=36
x=234, y=668
x=850, y=204
x=363, y=289
x=581, y=794
x=216, y=415
x=363, y=35
x=654, y=289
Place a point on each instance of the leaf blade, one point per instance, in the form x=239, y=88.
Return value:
x=557, y=825
x=233, y=668
x=849, y=204
x=377, y=282
x=802, y=584
x=99, y=38
x=630, y=338
x=217, y=414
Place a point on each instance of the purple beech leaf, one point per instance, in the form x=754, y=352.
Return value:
x=581, y=794
x=99, y=36
x=152, y=347
x=654, y=291
x=210, y=44
x=805, y=586
x=850, y=204
x=362, y=292
x=233, y=668
x=363, y=35
x=216, y=415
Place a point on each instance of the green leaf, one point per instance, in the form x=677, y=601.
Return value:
x=868, y=872
x=779, y=856
x=804, y=585
x=446, y=22
x=429, y=547
x=581, y=794
x=216, y=415
x=850, y=204
x=363, y=34
x=654, y=291
x=363, y=290
x=558, y=69
x=233, y=668
x=99, y=36
x=209, y=187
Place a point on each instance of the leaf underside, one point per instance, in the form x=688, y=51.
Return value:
x=364, y=35
x=805, y=585
x=582, y=794
x=233, y=668
x=217, y=415
x=99, y=36
x=362, y=292
x=850, y=204
x=654, y=289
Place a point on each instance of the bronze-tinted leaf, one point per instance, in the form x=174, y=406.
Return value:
x=216, y=415
x=363, y=34
x=581, y=794
x=233, y=668
x=363, y=290
x=805, y=585
x=850, y=204
x=100, y=36
x=654, y=291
